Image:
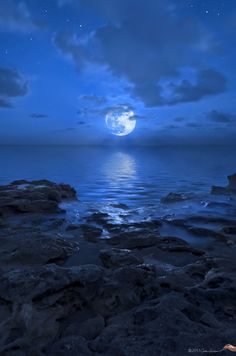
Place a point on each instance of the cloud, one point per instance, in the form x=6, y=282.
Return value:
x=39, y=116
x=64, y=2
x=64, y=130
x=12, y=84
x=94, y=112
x=171, y=127
x=5, y=104
x=15, y=16
x=179, y=119
x=193, y=125
x=71, y=47
x=120, y=107
x=91, y=112
x=138, y=117
x=140, y=46
x=93, y=99
x=220, y=117
x=209, y=82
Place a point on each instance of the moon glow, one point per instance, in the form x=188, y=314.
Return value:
x=120, y=121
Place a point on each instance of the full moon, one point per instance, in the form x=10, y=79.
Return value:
x=120, y=121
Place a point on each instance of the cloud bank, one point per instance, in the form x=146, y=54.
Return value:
x=15, y=16
x=149, y=47
x=221, y=117
x=12, y=84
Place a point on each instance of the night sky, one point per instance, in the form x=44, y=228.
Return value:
x=65, y=63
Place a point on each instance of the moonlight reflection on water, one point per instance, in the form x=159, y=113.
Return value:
x=120, y=166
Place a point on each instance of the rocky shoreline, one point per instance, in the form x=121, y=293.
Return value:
x=139, y=292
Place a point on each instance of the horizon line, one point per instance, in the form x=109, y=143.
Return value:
x=115, y=145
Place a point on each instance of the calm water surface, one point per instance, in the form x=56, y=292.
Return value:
x=137, y=177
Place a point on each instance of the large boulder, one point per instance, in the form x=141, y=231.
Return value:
x=19, y=251
x=39, y=304
x=34, y=196
x=173, y=198
x=35, y=301
x=71, y=345
x=229, y=189
x=232, y=182
x=115, y=257
x=134, y=239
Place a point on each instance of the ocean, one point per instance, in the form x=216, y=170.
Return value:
x=128, y=183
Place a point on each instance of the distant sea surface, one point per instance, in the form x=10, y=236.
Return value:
x=138, y=177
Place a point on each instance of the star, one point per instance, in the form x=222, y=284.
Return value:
x=207, y=12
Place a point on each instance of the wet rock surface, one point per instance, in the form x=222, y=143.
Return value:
x=114, y=257
x=173, y=198
x=229, y=189
x=148, y=292
x=35, y=196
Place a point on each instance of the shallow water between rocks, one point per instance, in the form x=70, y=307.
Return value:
x=142, y=260
x=128, y=184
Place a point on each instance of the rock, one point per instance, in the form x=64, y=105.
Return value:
x=141, y=241
x=55, y=223
x=43, y=300
x=146, y=224
x=211, y=219
x=114, y=258
x=35, y=251
x=170, y=241
x=71, y=345
x=230, y=230
x=89, y=329
x=175, y=244
x=3, y=223
x=219, y=190
x=177, y=222
x=232, y=182
x=199, y=269
x=67, y=192
x=141, y=227
x=229, y=189
x=39, y=283
x=35, y=206
x=120, y=206
x=204, y=232
x=72, y=227
x=132, y=240
x=34, y=196
x=175, y=280
x=98, y=217
x=158, y=295
x=146, y=330
x=91, y=233
x=173, y=198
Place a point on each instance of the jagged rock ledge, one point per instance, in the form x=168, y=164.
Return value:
x=229, y=189
x=149, y=295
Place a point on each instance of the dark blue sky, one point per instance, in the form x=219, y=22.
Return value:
x=65, y=63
